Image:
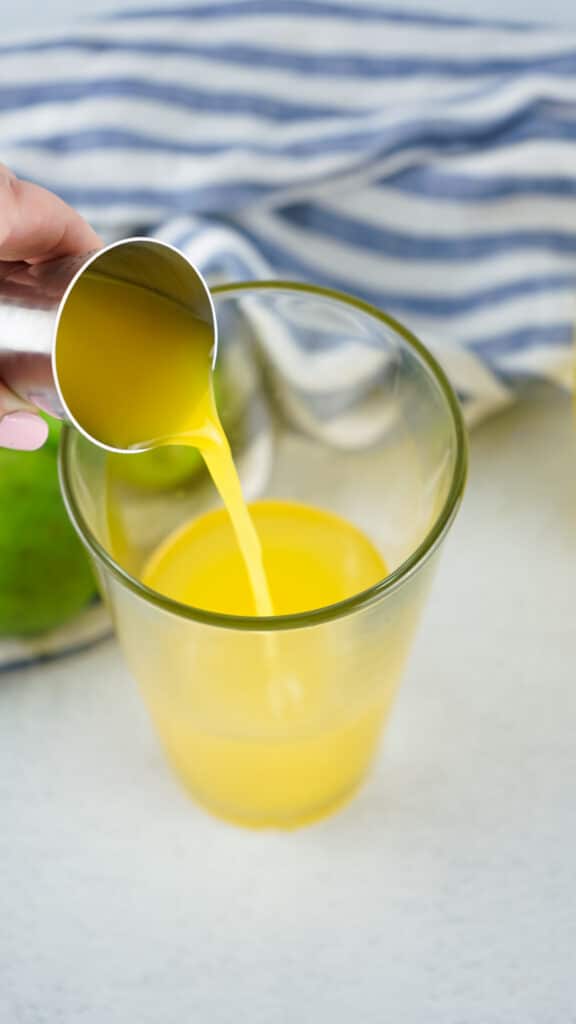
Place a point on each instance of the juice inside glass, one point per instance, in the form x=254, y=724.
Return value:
x=350, y=447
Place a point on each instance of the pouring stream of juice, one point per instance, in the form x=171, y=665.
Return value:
x=158, y=390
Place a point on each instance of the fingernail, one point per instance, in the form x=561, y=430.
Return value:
x=22, y=430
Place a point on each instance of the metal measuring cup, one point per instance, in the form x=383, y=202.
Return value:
x=33, y=298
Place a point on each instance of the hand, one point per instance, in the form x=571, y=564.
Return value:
x=35, y=226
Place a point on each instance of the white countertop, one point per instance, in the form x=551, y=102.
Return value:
x=444, y=894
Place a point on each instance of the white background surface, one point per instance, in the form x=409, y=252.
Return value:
x=443, y=895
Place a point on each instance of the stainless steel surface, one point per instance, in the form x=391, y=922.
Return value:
x=32, y=299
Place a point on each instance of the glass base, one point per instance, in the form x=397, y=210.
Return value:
x=307, y=816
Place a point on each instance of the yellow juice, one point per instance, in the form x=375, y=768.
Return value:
x=262, y=727
x=275, y=732
x=312, y=558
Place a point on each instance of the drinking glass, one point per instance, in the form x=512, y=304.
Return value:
x=326, y=401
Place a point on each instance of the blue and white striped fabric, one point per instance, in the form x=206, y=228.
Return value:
x=424, y=163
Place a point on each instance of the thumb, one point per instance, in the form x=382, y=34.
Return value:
x=20, y=427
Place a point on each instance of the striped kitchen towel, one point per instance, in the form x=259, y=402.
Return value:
x=424, y=163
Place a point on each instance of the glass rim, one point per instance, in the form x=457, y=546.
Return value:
x=340, y=609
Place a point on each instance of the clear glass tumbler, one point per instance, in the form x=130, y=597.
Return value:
x=327, y=401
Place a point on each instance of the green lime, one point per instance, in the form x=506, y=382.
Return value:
x=157, y=470
x=45, y=576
